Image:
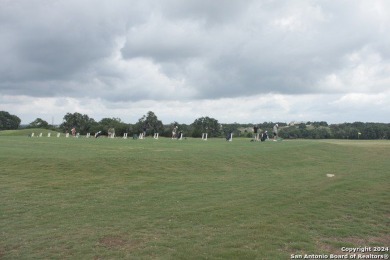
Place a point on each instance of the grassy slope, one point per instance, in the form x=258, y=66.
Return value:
x=27, y=131
x=102, y=198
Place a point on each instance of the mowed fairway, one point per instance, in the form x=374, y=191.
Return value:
x=191, y=199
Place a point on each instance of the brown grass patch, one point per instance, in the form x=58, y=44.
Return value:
x=121, y=242
x=168, y=150
x=370, y=241
x=330, y=245
x=112, y=242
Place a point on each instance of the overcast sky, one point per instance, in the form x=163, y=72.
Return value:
x=233, y=60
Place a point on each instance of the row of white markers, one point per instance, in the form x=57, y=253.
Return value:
x=140, y=136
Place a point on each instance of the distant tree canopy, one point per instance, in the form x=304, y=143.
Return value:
x=38, y=123
x=107, y=125
x=8, y=121
x=206, y=125
x=211, y=126
x=150, y=123
x=357, y=130
x=82, y=123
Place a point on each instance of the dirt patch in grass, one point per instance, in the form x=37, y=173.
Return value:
x=328, y=247
x=166, y=150
x=333, y=246
x=112, y=242
x=118, y=242
x=379, y=241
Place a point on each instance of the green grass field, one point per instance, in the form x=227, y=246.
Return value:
x=68, y=198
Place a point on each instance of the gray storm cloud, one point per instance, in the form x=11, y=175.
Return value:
x=169, y=50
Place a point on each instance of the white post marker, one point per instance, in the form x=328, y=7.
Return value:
x=40, y=135
x=181, y=136
x=77, y=135
x=231, y=137
x=204, y=136
x=58, y=135
x=67, y=135
x=32, y=135
x=48, y=134
x=88, y=135
x=124, y=135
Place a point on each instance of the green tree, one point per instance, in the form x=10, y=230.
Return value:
x=320, y=133
x=291, y=132
x=82, y=123
x=206, y=125
x=38, y=123
x=150, y=123
x=113, y=125
x=318, y=124
x=8, y=121
x=302, y=126
x=167, y=129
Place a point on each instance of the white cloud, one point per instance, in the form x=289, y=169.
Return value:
x=364, y=71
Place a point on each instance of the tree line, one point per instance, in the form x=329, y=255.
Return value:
x=150, y=124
